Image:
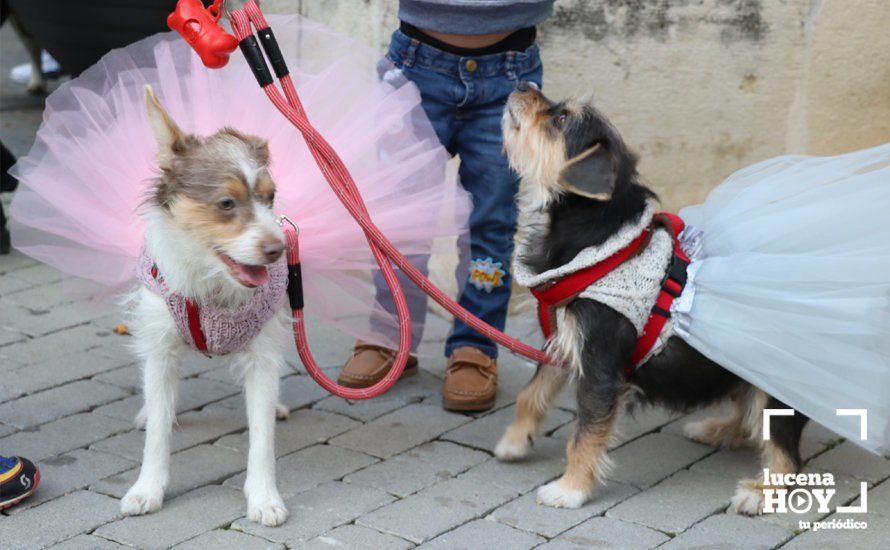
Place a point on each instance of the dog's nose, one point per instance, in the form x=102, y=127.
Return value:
x=273, y=250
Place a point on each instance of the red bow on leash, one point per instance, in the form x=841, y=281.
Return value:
x=201, y=29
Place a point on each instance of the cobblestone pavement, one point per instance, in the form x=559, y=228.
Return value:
x=394, y=472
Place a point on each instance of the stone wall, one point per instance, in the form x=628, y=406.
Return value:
x=701, y=87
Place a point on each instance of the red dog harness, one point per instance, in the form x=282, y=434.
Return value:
x=563, y=291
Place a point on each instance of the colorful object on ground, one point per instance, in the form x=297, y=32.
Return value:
x=18, y=480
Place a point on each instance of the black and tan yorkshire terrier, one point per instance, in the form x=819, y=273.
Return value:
x=580, y=187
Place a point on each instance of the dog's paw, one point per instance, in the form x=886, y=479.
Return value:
x=555, y=495
x=281, y=411
x=271, y=512
x=512, y=446
x=701, y=431
x=141, y=499
x=748, y=498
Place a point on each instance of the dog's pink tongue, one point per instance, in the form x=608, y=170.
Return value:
x=251, y=275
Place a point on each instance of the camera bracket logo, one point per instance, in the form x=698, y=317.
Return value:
x=799, y=493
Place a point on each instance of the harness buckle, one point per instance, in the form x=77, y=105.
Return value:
x=676, y=273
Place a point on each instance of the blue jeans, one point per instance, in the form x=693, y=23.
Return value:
x=464, y=99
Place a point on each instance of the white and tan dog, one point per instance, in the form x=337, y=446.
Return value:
x=211, y=232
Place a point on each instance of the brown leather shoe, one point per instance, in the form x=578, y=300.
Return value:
x=471, y=381
x=369, y=364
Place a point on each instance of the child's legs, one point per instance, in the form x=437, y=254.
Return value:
x=486, y=174
x=486, y=273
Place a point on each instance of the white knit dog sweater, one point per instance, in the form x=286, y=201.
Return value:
x=630, y=289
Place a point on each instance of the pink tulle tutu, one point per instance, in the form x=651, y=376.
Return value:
x=94, y=157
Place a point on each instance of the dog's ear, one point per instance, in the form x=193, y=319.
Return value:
x=590, y=174
x=168, y=135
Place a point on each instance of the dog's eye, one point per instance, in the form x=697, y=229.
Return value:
x=226, y=203
x=561, y=120
x=272, y=197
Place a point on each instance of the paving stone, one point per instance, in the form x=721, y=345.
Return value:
x=405, y=392
x=130, y=377
x=874, y=536
x=733, y=463
x=356, y=537
x=179, y=520
x=69, y=472
x=484, y=433
x=678, y=502
x=416, y=468
x=318, y=510
x=191, y=429
x=15, y=260
x=57, y=344
x=41, y=407
x=194, y=393
x=879, y=499
x=37, y=322
x=847, y=490
x=305, y=469
x=525, y=513
x=228, y=539
x=304, y=428
x=38, y=297
x=189, y=469
x=6, y=430
x=815, y=439
x=58, y=520
x=62, y=435
x=400, y=430
x=606, y=532
x=645, y=461
x=88, y=542
x=9, y=335
x=546, y=462
x=57, y=372
x=848, y=458
x=295, y=392
x=730, y=531
x=484, y=534
x=10, y=283
x=434, y=510
x=40, y=274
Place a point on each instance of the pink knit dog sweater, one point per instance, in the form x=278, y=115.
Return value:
x=225, y=330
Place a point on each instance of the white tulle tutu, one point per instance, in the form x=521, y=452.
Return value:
x=95, y=155
x=790, y=285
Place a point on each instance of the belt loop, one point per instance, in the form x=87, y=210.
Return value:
x=411, y=52
x=510, y=65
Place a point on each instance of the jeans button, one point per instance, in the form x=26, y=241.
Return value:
x=471, y=65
